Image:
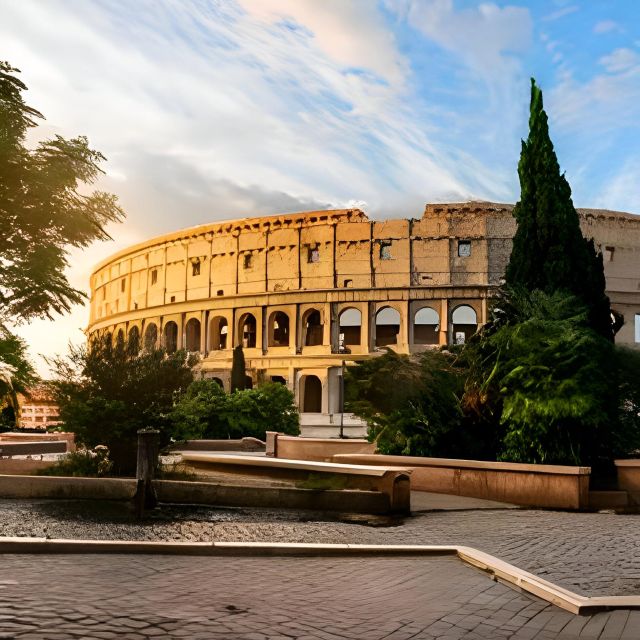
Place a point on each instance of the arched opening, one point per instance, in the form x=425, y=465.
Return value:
x=387, y=327
x=151, y=337
x=279, y=380
x=218, y=333
x=192, y=337
x=279, y=329
x=218, y=382
x=120, y=338
x=248, y=382
x=464, y=323
x=313, y=328
x=134, y=339
x=426, y=324
x=247, y=331
x=311, y=394
x=171, y=337
x=350, y=329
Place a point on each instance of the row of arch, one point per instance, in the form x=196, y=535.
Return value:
x=426, y=327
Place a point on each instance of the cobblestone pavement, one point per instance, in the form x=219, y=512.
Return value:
x=402, y=598
x=589, y=553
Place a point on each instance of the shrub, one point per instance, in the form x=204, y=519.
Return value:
x=206, y=411
x=89, y=463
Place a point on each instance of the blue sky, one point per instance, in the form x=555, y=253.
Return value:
x=214, y=109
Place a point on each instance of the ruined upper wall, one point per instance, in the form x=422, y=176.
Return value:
x=338, y=249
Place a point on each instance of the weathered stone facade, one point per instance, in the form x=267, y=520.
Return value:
x=305, y=292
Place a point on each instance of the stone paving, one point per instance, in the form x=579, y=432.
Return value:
x=402, y=598
x=589, y=553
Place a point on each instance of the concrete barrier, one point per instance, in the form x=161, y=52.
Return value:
x=314, y=449
x=392, y=481
x=535, y=485
x=244, y=444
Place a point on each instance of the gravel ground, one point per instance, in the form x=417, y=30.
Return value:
x=590, y=553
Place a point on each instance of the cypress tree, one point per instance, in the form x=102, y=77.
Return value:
x=549, y=251
x=238, y=372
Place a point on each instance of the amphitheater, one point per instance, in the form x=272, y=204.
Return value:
x=306, y=293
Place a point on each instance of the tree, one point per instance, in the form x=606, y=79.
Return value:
x=547, y=379
x=42, y=209
x=238, y=370
x=206, y=411
x=549, y=251
x=107, y=391
x=419, y=414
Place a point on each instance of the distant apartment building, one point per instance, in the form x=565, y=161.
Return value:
x=38, y=409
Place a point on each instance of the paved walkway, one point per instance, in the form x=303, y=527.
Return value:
x=589, y=553
x=404, y=598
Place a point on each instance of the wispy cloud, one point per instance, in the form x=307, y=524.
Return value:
x=607, y=26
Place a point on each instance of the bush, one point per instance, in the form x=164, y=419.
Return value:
x=206, y=411
x=412, y=404
x=107, y=392
x=87, y=463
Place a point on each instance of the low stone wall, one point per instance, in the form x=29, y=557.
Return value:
x=536, y=485
x=182, y=492
x=67, y=488
x=244, y=444
x=629, y=478
x=316, y=449
x=8, y=449
x=354, y=501
x=23, y=466
x=16, y=436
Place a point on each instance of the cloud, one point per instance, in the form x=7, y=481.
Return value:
x=485, y=36
x=350, y=33
x=621, y=192
x=607, y=101
x=607, y=26
x=561, y=13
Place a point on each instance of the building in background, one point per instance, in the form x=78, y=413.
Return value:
x=38, y=409
x=305, y=292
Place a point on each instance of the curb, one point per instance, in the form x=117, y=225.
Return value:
x=498, y=569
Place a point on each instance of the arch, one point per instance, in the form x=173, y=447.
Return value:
x=120, y=338
x=312, y=328
x=387, y=326
x=218, y=381
x=170, y=336
x=218, y=333
x=151, y=336
x=426, y=324
x=464, y=321
x=350, y=329
x=247, y=331
x=278, y=329
x=134, y=339
x=311, y=394
x=192, y=335
x=279, y=380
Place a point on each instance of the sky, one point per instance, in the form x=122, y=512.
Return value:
x=214, y=109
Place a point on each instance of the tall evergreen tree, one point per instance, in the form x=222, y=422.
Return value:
x=549, y=251
x=238, y=372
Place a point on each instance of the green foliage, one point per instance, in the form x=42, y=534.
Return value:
x=546, y=376
x=626, y=438
x=14, y=361
x=42, y=208
x=549, y=252
x=85, y=463
x=206, y=411
x=238, y=370
x=107, y=391
x=412, y=404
